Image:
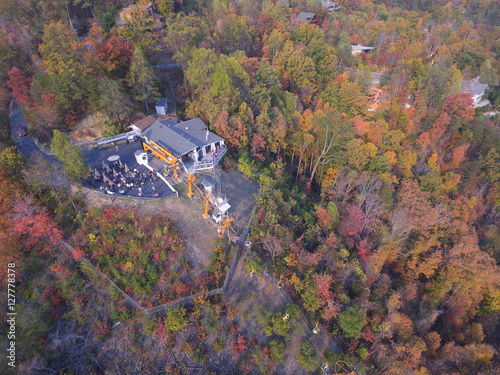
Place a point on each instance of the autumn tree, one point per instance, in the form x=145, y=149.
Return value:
x=142, y=78
x=34, y=226
x=138, y=28
x=332, y=133
x=20, y=84
x=114, y=100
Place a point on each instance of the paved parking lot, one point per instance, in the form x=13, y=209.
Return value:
x=96, y=156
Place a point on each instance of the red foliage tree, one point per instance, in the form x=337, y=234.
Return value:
x=460, y=105
x=352, y=222
x=323, y=283
x=20, y=83
x=324, y=218
x=34, y=225
x=239, y=345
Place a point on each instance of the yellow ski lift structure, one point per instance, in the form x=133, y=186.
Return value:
x=207, y=202
x=190, y=180
x=163, y=154
x=226, y=227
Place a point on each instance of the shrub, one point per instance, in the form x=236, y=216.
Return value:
x=363, y=352
x=277, y=349
x=176, y=319
x=308, y=357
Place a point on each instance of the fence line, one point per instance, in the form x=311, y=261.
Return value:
x=127, y=297
x=185, y=301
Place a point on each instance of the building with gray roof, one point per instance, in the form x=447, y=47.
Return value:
x=475, y=88
x=306, y=17
x=330, y=5
x=190, y=141
x=357, y=49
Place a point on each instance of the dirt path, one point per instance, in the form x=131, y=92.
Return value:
x=249, y=294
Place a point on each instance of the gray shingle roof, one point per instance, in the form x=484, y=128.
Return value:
x=305, y=17
x=330, y=5
x=182, y=137
x=474, y=86
x=196, y=131
x=161, y=102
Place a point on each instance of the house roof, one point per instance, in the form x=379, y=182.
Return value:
x=163, y=135
x=473, y=86
x=144, y=122
x=149, y=120
x=207, y=182
x=285, y=2
x=196, y=130
x=305, y=17
x=180, y=138
x=121, y=18
x=330, y=5
x=361, y=48
x=162, y=102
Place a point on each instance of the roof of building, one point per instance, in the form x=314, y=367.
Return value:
x=207, y=182
x=284, y=2
x=149, y=120
x=180, y=138
x=474, y=87
x=162, y=102
x=330, y=5
x=196, y=130
x=163, y=135
x=143, y=123
x=361, y=48
x=305, y=17
x=121, y=18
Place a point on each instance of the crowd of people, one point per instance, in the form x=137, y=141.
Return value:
x=126, y=182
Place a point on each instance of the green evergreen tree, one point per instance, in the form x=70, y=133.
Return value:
x=70, y=156
x=352, y=320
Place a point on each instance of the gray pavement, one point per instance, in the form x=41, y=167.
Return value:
x=24, y=144
x=94, y=158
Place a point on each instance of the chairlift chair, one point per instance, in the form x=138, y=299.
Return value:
x=316, y=329
x=286, y=316
x=253, y=274
x=280, y=282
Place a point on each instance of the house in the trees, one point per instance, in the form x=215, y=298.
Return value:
x=357, y=49
x=330, y=5
x=190, y=141
x=475, y=88
x=306, y=17
x=157, y=21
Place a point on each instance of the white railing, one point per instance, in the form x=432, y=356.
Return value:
x=117, y=137
x=208, y=164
